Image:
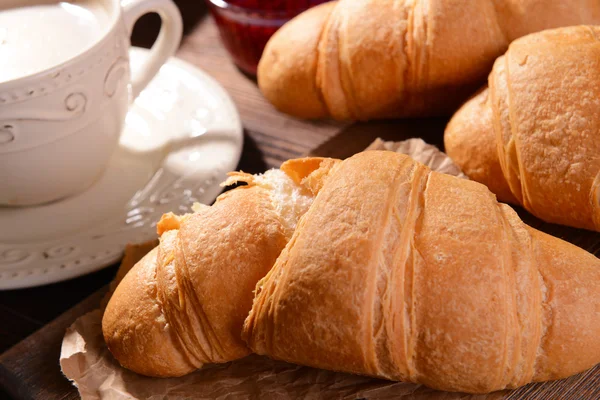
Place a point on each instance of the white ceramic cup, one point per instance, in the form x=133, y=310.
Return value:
x=59, y=127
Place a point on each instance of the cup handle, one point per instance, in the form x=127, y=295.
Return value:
x=167, y=42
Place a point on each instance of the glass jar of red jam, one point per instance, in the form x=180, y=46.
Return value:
x=246, y=25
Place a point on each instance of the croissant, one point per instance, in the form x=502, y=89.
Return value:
x=366, y=59
x=184, y=303
x=533, y=136
x=402, y=273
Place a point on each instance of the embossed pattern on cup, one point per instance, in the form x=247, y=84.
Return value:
x=63, y=101
x=59, y=127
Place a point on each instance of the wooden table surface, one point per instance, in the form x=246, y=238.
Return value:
x=269, y=139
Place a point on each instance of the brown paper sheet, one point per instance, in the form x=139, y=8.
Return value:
x=86, y=361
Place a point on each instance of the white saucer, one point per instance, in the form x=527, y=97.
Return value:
x=182, y=135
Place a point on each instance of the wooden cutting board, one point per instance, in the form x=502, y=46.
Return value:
x=30, y=369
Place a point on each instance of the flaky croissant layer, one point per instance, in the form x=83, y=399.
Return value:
x=392, y=271
x=183, y=305
x=407, y=274
x=365, y=59
x=533, y=136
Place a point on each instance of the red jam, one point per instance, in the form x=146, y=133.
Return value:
x=247, y=25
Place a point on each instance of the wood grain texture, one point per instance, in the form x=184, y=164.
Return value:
x=30, y=369
x=26, y=310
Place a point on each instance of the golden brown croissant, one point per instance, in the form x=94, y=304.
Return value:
x=184, y=304
x=406, y=274
x=365, y=59
x=533, y=137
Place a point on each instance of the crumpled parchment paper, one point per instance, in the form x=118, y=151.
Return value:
x=423, y=153
x=86, y=361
